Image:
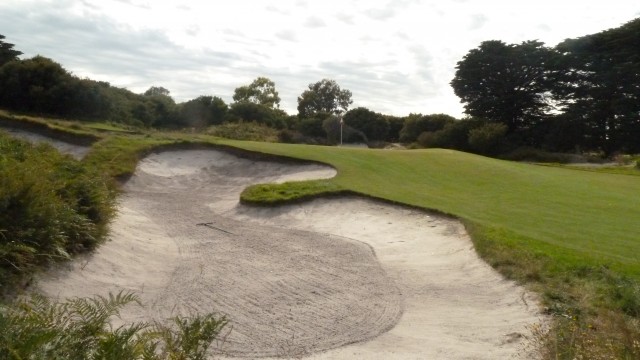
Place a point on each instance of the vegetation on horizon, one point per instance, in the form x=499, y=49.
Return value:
x=579, y=96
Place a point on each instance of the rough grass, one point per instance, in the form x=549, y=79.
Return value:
x=51, y=207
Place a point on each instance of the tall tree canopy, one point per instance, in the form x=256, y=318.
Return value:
x=261, y=91
x=601, y=88
x=157, y=91
x=325, y=96
x=203, y=111
x=506, y=83
x=7, y=53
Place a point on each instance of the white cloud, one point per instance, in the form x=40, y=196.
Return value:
x=396, y=56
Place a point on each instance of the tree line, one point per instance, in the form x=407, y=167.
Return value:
x=40, y=85
x=582, y=95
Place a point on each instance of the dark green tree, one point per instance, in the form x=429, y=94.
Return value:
x=203, y=111
x=7, y=53
x=601, y=87
x=416, y=124
x=157, y=91
x=261, y=114
x=507, y=83
x=325, y=96
x=261, y=91
x=372, y=124
x=36, y=85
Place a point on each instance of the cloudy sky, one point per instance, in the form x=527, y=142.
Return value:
x=396, y=56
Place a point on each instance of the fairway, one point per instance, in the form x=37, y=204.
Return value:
x=567, y=214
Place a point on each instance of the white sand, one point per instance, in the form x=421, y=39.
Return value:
x=329, y=279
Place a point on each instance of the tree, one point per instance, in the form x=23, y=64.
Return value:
x=601, y=87
x=250, y=112
x=261, y=91
x=38, y=84
x=416, y=124
x=487, y=138
x=372, y=124
x=203, y=111
x=508, y=84
x=7, y=53
x=323, y=96
x=157, y=91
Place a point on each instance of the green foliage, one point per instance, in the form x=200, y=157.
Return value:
x=601, y=89
x=374, y=126
x=79, y=328
x=395, y=125
x=251, y=131
x=312, y=126
x=202, y=112
x=454, y=135
x=331, y=127
x=261, y=91
x=416, y=124
x=261, y=114
x=325, y=96
x=488, y=138
x=7, y=53
x=51, y=206
x=506, y=83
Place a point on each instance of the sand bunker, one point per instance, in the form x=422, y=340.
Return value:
x=337, y=278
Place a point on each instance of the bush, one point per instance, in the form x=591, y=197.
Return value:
x=416, y=124
x=487, y=138
x=51, y=206
x=244, y=131
x=79, y=329
x=373, y=125
x=454, y=135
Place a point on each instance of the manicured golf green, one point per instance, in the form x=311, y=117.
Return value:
x=587, y=216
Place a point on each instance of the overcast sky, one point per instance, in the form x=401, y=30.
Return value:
x=396, y=56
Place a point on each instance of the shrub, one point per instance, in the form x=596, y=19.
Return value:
x=244, y=131
x=373, y=125
x=51, y=206
x=416, y=124
x=487, y=138
x=79, y=328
